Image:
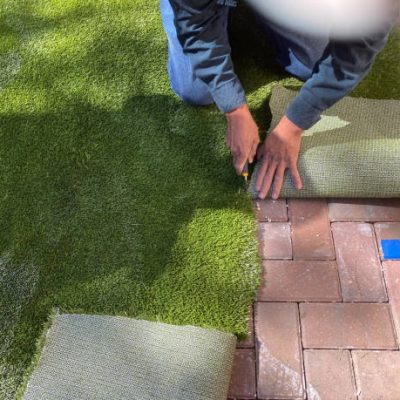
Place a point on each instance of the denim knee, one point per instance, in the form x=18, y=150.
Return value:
x=183, y=82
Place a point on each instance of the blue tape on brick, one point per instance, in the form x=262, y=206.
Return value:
x=391, y=249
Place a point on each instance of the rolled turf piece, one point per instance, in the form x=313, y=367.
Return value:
x=104, y=357
x=353, y=151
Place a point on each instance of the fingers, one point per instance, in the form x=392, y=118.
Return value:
x=278, y=180
x=261, y=173
x=239, y=161
x=271, y=171
x=267, y=182
x=296, y=176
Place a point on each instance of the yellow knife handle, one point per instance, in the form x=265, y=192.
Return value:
x=245, y=172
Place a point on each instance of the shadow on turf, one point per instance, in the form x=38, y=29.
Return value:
x=83, y=185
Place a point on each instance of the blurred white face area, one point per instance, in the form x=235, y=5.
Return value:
x=338, y=18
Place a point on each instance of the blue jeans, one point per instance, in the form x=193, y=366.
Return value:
x=296, y=53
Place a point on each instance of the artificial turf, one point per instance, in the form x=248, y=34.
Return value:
x=115, y=197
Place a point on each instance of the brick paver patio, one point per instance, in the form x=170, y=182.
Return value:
x=326, y=323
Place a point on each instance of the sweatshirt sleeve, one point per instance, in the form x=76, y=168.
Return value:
x=201, y=27
x=343, y=66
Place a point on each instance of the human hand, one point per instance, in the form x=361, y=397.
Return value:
x=278, y=152
x=242, y=137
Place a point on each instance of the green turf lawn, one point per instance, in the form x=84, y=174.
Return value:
x=115, y=197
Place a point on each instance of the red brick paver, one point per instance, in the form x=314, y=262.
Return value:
x=360, y=270
x=365, y=210
x=280, y=367
x=300, y=281
x=243, y=380
x=327, y=316
x=347, y=326
x=329, y=375
x=311, y=233
x=392, y=277
x=377, y=374
x=271, y=210
x=275, y=240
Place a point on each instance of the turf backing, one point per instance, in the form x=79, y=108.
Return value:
x=114, y=196
x=353, y=151
x=102, y=357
